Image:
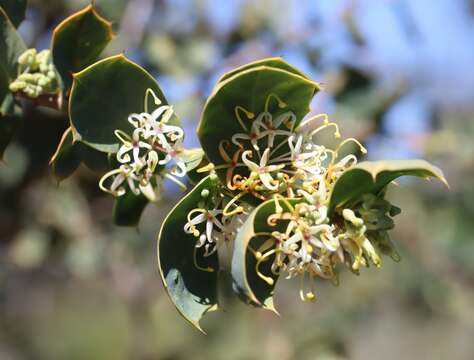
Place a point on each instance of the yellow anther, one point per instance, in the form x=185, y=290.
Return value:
x=281, y=103
x=206, y=168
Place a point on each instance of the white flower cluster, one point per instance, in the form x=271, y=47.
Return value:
x=273, y=160
x=314, y=245
x=152, y=143
x=219, y=227
x=36, y=74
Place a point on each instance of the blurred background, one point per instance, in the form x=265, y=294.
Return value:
x=397, y=74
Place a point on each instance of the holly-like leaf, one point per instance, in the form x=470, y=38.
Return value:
x=66, y=159
x=193, y=290
x=374, y=176
x=11, y=47
x=103, y=96
x=78, y=41
x=249, y=88
x=15, y=9
x=255, y=231
x=275, y=62
x=128, y=209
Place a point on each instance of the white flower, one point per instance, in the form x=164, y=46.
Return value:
x=173, y=153
x=209, y=238
x=134, y=145
x=262, y=170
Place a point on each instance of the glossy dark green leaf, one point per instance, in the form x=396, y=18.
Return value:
x=104, y=95
x=374, y=176
x=66, y=159
x=192, y=290
x=11, y=47
x=78, y=41
x=275, y=62
x=128, y=209
x=250, y=89
x=15, y=9
x=247, y=284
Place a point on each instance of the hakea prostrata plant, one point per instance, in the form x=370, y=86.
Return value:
x=280, y=203
x=284, y=204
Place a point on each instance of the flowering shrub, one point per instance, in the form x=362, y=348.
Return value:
x=284, y=204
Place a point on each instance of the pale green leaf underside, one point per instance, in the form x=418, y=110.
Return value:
x=192, y=291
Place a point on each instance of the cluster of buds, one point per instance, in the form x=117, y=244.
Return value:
x=36, y=74
x=273, y=160
x=152, y=151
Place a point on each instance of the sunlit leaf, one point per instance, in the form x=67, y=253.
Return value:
x=250, y=88
x=78, y=41
x=274, y=62
x=193, y=290
x=104, y=95
x=373, y=176
x=255, y=231
x=66, y=159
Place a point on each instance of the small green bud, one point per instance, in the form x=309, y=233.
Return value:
x=26, y=77
x=205, y=193
x=350, y=216
x=51, y=74
x=44, y=81
x=213, y=177
x=18, y=85
x=28, y=57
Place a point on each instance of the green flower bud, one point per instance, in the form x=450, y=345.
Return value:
x=28, y=57
x=44, y=81
x=17, y=85
x=350, y=216
x=205, y=193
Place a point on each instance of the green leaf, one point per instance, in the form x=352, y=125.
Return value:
x=128, y=209
x=374, y=176
x=78, y=41
x=95, y=160
x=11, y=47
x=70, y=154
x=275, y=62
x=104, y=95
x=193, y=291
x=250, y=89
x=247, y=284
x=67, y=158
x=15, y=9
